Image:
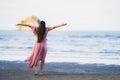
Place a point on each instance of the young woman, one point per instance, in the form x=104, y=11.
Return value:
x=40, y=49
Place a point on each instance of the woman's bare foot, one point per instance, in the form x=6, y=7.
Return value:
x=41, y=73
x=36, y=73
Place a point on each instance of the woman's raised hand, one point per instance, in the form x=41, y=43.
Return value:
x=24, y=25
x=18, y=24
x=64, y=24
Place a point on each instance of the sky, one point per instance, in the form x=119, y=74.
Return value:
x=78, y=14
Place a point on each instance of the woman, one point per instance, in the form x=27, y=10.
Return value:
x=40, y=49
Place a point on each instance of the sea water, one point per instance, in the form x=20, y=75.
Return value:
x=83, y=47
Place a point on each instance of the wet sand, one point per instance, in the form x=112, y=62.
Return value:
x=59, y=71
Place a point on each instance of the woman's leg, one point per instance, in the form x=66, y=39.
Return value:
x=41, y=68
x=44, y=51
x=36, y=69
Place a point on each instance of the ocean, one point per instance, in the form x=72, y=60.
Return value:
x=83, y=47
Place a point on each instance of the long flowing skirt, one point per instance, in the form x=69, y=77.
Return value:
x=39, y=53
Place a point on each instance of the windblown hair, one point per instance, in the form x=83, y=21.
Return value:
x=41, y=31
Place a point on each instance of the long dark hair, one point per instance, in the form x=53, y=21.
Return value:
x=41, y=31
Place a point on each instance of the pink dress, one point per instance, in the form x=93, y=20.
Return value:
x=40, y=50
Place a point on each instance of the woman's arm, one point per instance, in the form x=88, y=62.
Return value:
x=53, y=27
x=24, y=25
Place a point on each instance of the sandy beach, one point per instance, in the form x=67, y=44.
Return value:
x=59, y=71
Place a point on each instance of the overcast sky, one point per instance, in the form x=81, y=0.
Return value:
x=79, y=14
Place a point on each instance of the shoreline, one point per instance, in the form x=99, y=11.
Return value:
x=15, y=70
